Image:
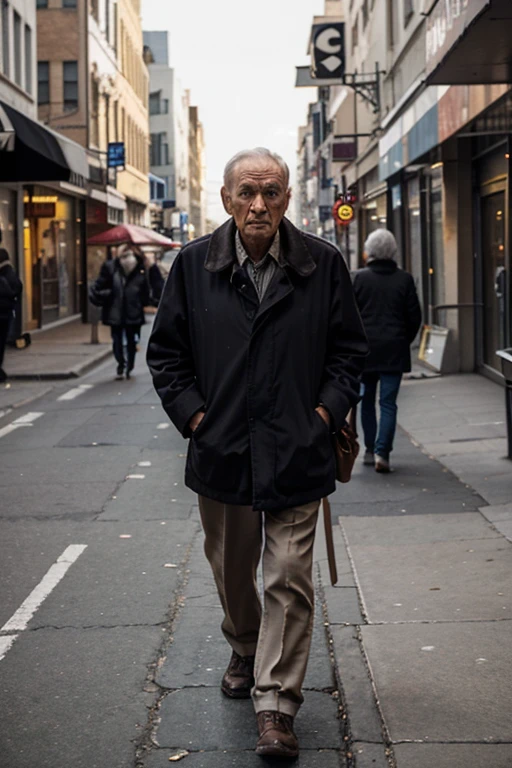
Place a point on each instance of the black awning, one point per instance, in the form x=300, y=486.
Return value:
x=28, y=150
x=469, y=43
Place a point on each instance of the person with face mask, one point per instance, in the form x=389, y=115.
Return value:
x=122, y=291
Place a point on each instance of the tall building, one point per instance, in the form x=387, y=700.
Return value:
x=173, y=138
x=197, y=175
x=43, y=180
x=93, y=87
x=431, y=136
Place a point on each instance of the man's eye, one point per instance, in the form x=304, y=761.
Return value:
x=272, y=193
x=245, y=193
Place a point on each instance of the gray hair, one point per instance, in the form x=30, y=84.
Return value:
x=249, y=154
x=381, y=244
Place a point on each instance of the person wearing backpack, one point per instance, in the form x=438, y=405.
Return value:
x=122, y=291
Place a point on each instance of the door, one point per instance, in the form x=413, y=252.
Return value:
x=493, y=277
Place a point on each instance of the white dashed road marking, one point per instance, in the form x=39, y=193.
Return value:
x=75, y=392
x=23, y=421
x=20, y=619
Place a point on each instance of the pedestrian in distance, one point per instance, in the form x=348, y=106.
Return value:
x=122, y=291
x=256, y=353
x=10, y=293
x=391, y=314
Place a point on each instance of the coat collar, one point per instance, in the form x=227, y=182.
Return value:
x=295, y=253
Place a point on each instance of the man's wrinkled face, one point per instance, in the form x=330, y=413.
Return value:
x=257, y=197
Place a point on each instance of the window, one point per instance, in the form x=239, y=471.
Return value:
x=42, y=4
x=17, y=48
x=69, y=3
x=28, y=59
x=43, y=82
x=355, y=34
x=5, y=37
x=154, y=103
x=159, y=153
x=70, y=77
x=408, y=11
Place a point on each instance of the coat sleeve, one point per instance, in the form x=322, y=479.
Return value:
x=101, y=290
x=412, y=311
x=169, y=354
x=347, y=348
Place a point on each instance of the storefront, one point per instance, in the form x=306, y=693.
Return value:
x=492, y=283
x=53, y=255
x=43, y=180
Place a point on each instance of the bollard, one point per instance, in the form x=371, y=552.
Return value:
x=94, y=319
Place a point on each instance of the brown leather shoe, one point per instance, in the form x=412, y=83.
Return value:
x=239, y=677
x=277, y=738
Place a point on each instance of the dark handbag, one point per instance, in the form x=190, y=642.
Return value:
x=346, y=448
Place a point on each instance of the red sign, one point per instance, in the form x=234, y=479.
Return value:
x=343, y=212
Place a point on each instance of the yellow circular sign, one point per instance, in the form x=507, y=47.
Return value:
x=345, y=213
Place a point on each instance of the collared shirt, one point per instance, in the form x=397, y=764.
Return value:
x=261, y=273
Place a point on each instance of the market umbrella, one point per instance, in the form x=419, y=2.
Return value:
x=130, y=233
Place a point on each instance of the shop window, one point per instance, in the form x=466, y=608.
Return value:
x=28, y=59
x=408, y=11
x=5, y=37
x=70, y=77
x=42, y=4
x=17, y=48
x=69, y=3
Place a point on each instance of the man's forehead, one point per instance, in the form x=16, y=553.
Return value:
x=259, y=170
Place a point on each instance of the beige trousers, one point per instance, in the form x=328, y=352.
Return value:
x=280, y=634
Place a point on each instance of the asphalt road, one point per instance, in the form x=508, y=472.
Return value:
x=94, y=525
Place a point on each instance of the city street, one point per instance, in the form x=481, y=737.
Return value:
x=115, y=658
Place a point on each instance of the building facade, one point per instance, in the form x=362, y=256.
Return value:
x=43, y=179
x=177, y=147
x=431, y=158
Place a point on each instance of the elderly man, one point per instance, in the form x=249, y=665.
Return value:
x=256, y=353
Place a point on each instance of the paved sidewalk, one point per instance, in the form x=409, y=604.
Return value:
x=194, y=719
x=422, y=616
x=64, y=352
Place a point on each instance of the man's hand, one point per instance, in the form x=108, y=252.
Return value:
x=324, y=414
x=196, y=420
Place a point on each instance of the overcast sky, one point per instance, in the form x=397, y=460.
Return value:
x=238, y=59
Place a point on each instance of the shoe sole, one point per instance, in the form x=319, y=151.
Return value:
x=235, y=694
x=383, y=470
x=269, y=750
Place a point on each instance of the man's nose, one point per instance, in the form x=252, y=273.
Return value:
x=258, y=204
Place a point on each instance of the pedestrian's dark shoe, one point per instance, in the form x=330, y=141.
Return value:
x=119, y=372
x=129, y=373
x=239, y=677
x=3, y=376
x=277, y=738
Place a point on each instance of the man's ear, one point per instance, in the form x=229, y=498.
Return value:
x=226, y=200
x=288, y=197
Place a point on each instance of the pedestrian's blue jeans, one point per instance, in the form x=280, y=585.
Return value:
x=379, y=439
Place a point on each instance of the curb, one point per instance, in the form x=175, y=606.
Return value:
x=73, y=373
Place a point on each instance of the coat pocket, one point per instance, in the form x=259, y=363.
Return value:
x=305, y=458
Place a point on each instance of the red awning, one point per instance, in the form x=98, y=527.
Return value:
x=130, y=233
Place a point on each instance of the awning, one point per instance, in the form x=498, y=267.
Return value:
x=32, y=152
x=470, y=42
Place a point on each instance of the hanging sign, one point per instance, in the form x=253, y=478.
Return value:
x=343, y=212
x=328, y=51
x=116, y=154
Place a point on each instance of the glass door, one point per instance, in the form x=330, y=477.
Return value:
x=493, y=277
